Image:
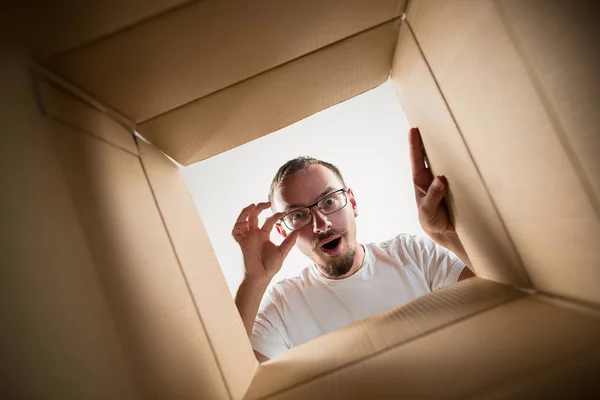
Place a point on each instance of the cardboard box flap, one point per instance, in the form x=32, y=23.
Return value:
x=527, y=348
x=506, y=111
x=158, y=323
x=475, y=215
x=66, y=109
x=218, y=315
x=119, y=246
x=114, y=290
x=198, y=49
x=276, y=98
x=378, y=334
x=562, y=63
x=59, y=335
x=52, y=27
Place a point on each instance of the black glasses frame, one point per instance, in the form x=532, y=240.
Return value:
x=316, y=204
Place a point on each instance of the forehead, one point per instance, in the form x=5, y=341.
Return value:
x=304, y=187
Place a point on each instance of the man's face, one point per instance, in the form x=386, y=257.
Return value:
x=328, y=240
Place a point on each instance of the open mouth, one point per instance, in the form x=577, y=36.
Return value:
x=331, y=246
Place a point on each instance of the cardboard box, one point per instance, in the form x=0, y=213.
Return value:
x=110, y=286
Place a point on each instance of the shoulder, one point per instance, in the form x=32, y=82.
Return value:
x=400, y=242
x=289, y=288
x=404, y=246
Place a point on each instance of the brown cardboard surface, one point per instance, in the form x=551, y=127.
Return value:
x=98, y=305
x=64, y=85
x=219, y=316
x=206, y=46
x=112, y=289
x=514, y=130
x=563, y=64
x=64, y=108
x=143, y=284
x=150, y=297
x=275, y=99
x=48, y=28
x=475, y=215
x=520, y=349
x=59, y=338
x=350, y=346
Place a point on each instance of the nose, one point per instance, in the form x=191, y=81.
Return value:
x=320, y=222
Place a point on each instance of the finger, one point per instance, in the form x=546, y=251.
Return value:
x=422, y=190
x=417, y=157
x=239, y=237
x=253, y=215
x=271, y=221
x=434, y=196
x=244, y=214
x=288, y=243
x=241, y=226
x=240, y=229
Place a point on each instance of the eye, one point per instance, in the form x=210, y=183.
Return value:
x=329, y=201
x=297, y=215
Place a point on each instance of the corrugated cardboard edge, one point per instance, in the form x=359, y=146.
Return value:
x=56, y=101
x=378, y=334
x=518, y=347
x=563, y=260
x=512, y=272
x=199, y=266
x=205, y=46
x=276, y=98
x=61, y=106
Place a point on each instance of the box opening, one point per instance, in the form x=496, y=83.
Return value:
x=366, y=137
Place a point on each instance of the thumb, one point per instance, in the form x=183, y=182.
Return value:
x=288, y=243
x=434, y=195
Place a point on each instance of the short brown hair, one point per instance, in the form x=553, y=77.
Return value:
x=295, y=165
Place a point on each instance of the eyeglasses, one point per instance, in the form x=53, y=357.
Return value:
x=329, y=204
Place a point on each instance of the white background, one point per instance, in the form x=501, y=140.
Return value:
x=365, y=137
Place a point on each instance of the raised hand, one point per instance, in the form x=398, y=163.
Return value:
x=262, y=258
x=429, y=191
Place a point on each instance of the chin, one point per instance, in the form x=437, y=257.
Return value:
x=337, y=266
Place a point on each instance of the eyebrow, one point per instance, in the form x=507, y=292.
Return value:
x=319, y=197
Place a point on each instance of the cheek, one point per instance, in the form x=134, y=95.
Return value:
x=342, y=220
x=305, y=246
x=305, y=239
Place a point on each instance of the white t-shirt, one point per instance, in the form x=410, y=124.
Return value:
x=394, y=272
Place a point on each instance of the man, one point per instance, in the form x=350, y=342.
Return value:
x=348, y=281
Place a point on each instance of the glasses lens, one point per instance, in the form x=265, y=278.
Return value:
x=298, y=218
x=332, y=203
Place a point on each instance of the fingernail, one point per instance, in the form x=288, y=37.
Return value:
x=437, y=183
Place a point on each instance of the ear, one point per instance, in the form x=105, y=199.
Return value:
x=352, y=200
x=280, y=229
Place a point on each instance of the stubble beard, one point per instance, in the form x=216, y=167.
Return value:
x=339, y=267
x=342, y=264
